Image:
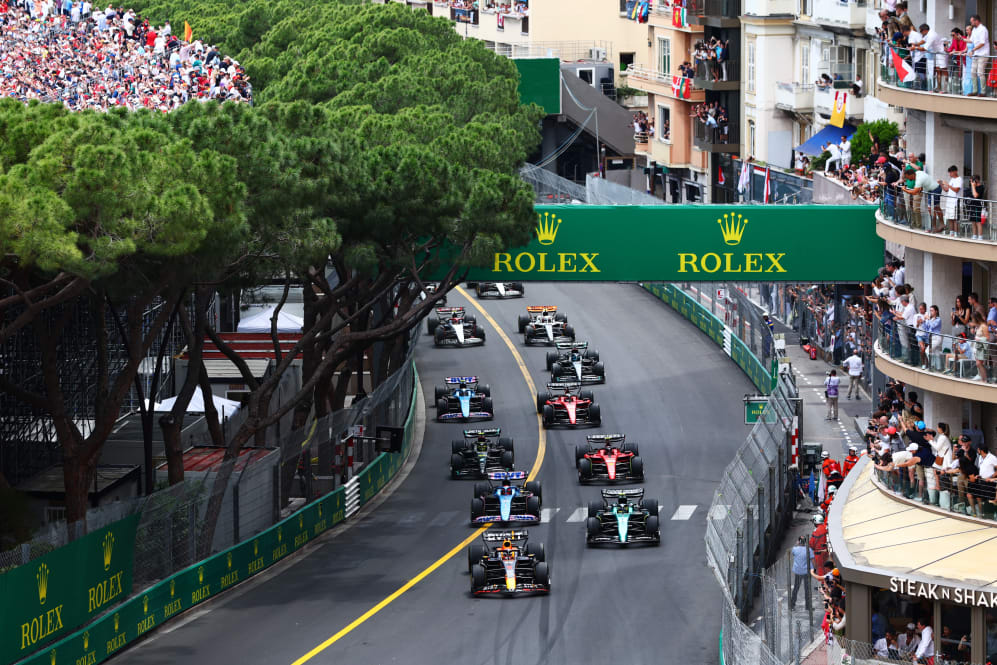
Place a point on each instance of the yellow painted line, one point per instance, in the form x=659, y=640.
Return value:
x=534, y=470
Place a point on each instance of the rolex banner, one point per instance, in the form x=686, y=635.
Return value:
x=52, y=595
x=800, y=243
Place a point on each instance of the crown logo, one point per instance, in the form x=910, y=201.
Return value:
x=320, y=510
x=301, y=521
x=52, y=657
x=547, y=228
x=228, y=559
x=173, y=587
x=145, y=604
x=42, y=577
x=108, y=549
x=732, y=227
x=86, y=640
x=280, y=534
x=117, y=620
x=200, y=575
x=256, y=548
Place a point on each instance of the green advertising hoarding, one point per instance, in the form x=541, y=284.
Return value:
x=806, y=243
x=67, y=587
x=540, y=83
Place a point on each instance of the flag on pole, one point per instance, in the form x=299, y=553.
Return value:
x=742, y=182
x=768, y=186
x=904, y=71
x=838, y=112
x=188, y=32
x=720, y=178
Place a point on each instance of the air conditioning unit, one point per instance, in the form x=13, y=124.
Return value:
x=596, y=53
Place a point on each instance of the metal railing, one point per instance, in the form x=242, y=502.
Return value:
x=841, y=650
x=715, y=71
x=566, y=51
x=956, y=356
x=719, y=8
x=940, y=73
x=719, y=135
x=939, y=212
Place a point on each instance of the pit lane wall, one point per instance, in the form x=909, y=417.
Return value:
x=100, y=639
x=761, y=375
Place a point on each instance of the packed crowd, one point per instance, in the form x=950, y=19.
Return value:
x=714, y=116
x=86, y=58
x=643, y=127
x=520, y=8
x=712, y=57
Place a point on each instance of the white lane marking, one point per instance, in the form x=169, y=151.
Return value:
x=684, y=512
x=578, y=515
x=443, y=518
x=718, y=512
x=547, y=514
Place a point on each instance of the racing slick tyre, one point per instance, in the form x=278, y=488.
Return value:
x=475, y=552
x=477, y=291
x=535, y=489
x=438, y=337
x=506, y=443
x=481, y=489
x=519, y=286
x=584, y=469
x=477, y=508
x=653, y=529
x=472, y=285
x=431, y=325
x=487, y=406
x=599, y=370
x=523, y=322
x=479, y=332
x=591, y=529
x=477, y=577
x=586, y=394
x=536, y=550
x=533, y=506
x=651, y=506
x=556, y=371
x=569, y=332
x=595, y=415
x=563, y=318
x=637, y=469
x=485, y=390
x=470, y=319
x=551, y=360
x=591, y=354
x=630, y=447
x=548, y=415
x=456, y=446
x=456, y=464
x=508, y=461
x=441, y=408
x=541, y=574
x=595, y=507
x=439, y=392
x=580, y=452
x=542, y=399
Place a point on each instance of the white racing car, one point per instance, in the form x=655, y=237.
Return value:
x=498, y=289
x=543, y=324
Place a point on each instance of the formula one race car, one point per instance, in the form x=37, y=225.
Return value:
x=453, y=327
x=506, y=502
x=480, y=452
x=504, y=563
x=460, y=398
x=574, y=361
x=623, y=517
x=609, y=457
x=498, y=289
x=430, y=288
x=570, y=407
x=543, y=324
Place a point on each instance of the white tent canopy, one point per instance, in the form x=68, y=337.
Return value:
x=260, y=322
x=224, y=407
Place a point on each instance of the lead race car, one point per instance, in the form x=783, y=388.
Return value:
x=504, y=563
x=575, y=362
x=461, y=398
x=506, y=502
x=609, y=457
x=480, y=452
x=453, y=327
x=569, y=408
x=623, y=517
x=543, y=324
x=498, y=289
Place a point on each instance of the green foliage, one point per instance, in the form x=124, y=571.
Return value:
x=884, y=131
x=818, y=162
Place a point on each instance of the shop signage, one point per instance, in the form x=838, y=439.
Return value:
x=959, y=595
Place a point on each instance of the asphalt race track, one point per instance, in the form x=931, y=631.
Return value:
x=668, y=387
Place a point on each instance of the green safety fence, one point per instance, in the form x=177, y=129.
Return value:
x=163, y=601
x=762, y=377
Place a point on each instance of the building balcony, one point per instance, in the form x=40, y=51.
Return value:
x=770, y=8
x=910, y=227
x=824, y=101
x=667, y=15
x=872, y=20
x=711, y=75
x=940, y=90
x=716, y=139
x=664, y=85
x=833, y=13
x=797, y=97
x=714, y=13
x=947, y=365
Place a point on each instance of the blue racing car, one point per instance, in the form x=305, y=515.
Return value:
x=461, y=399
x=506, y=502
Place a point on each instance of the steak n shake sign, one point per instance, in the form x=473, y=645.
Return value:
x=959, y=595
x=688, y=243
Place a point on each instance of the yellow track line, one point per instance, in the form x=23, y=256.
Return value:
x=534, y=470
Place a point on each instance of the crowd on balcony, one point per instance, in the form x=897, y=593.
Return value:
x=85, y=57
x=643, y=127
x=713, y=116
x=712, y=57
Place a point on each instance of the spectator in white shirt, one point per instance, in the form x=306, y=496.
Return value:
x=846, y=151
x=926, y=647
x=908, y=319
x=835, y=157
x=952, y=191
x=854, y=365
x=908, y=641
x=979, y=48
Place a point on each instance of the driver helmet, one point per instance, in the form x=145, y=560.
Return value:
x=481, y=444
x=506, y=482
x=506, y=543
x=621, y=500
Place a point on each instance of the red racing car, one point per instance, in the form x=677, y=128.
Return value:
x=568, y=407
x=609, y=457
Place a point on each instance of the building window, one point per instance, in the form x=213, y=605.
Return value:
x=664, y=55
x=664, y=123
x=626, y=59
x=751, y=137
x=751, y=66
x=805, y=62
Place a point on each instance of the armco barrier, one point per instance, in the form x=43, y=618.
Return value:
x=763, y=377
x=161, y=602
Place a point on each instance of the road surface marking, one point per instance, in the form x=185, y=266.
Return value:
x=579, y=515
x=684, y=512
x=534, y=470
x=547, y=514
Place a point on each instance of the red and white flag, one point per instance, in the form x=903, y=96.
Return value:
x=904, y=71
x=681, y=87
x=768, y=186
x=720, y=178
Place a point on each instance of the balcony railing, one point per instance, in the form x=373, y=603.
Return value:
x=674, y=83
x=713, y=71
x=850, y=13
x=939, y=73
x=794, y=96
x=937, y=353
x=941, y=213
x=464, y=15
x=721, y=9
x=950, y=489
x=726, y=138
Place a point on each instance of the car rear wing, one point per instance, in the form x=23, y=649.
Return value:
x=507, y=475
x=493, y=431
x=499, y=536
x=552, y=387
x=634, y=493
x=457, y=380
x=567, y=346
x=605, y=438
x=541, y=309
x=444, y=312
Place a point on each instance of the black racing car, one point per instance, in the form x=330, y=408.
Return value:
x=505, y=564
x=575, y=362
x=498, y=289
x=453, y=327
x=623, y=517
x=480, y=452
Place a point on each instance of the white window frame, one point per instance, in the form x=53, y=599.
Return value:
x=751, y=138
x=805, y=62
x=751, y=66
x=665, y=55
x=659, y=124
